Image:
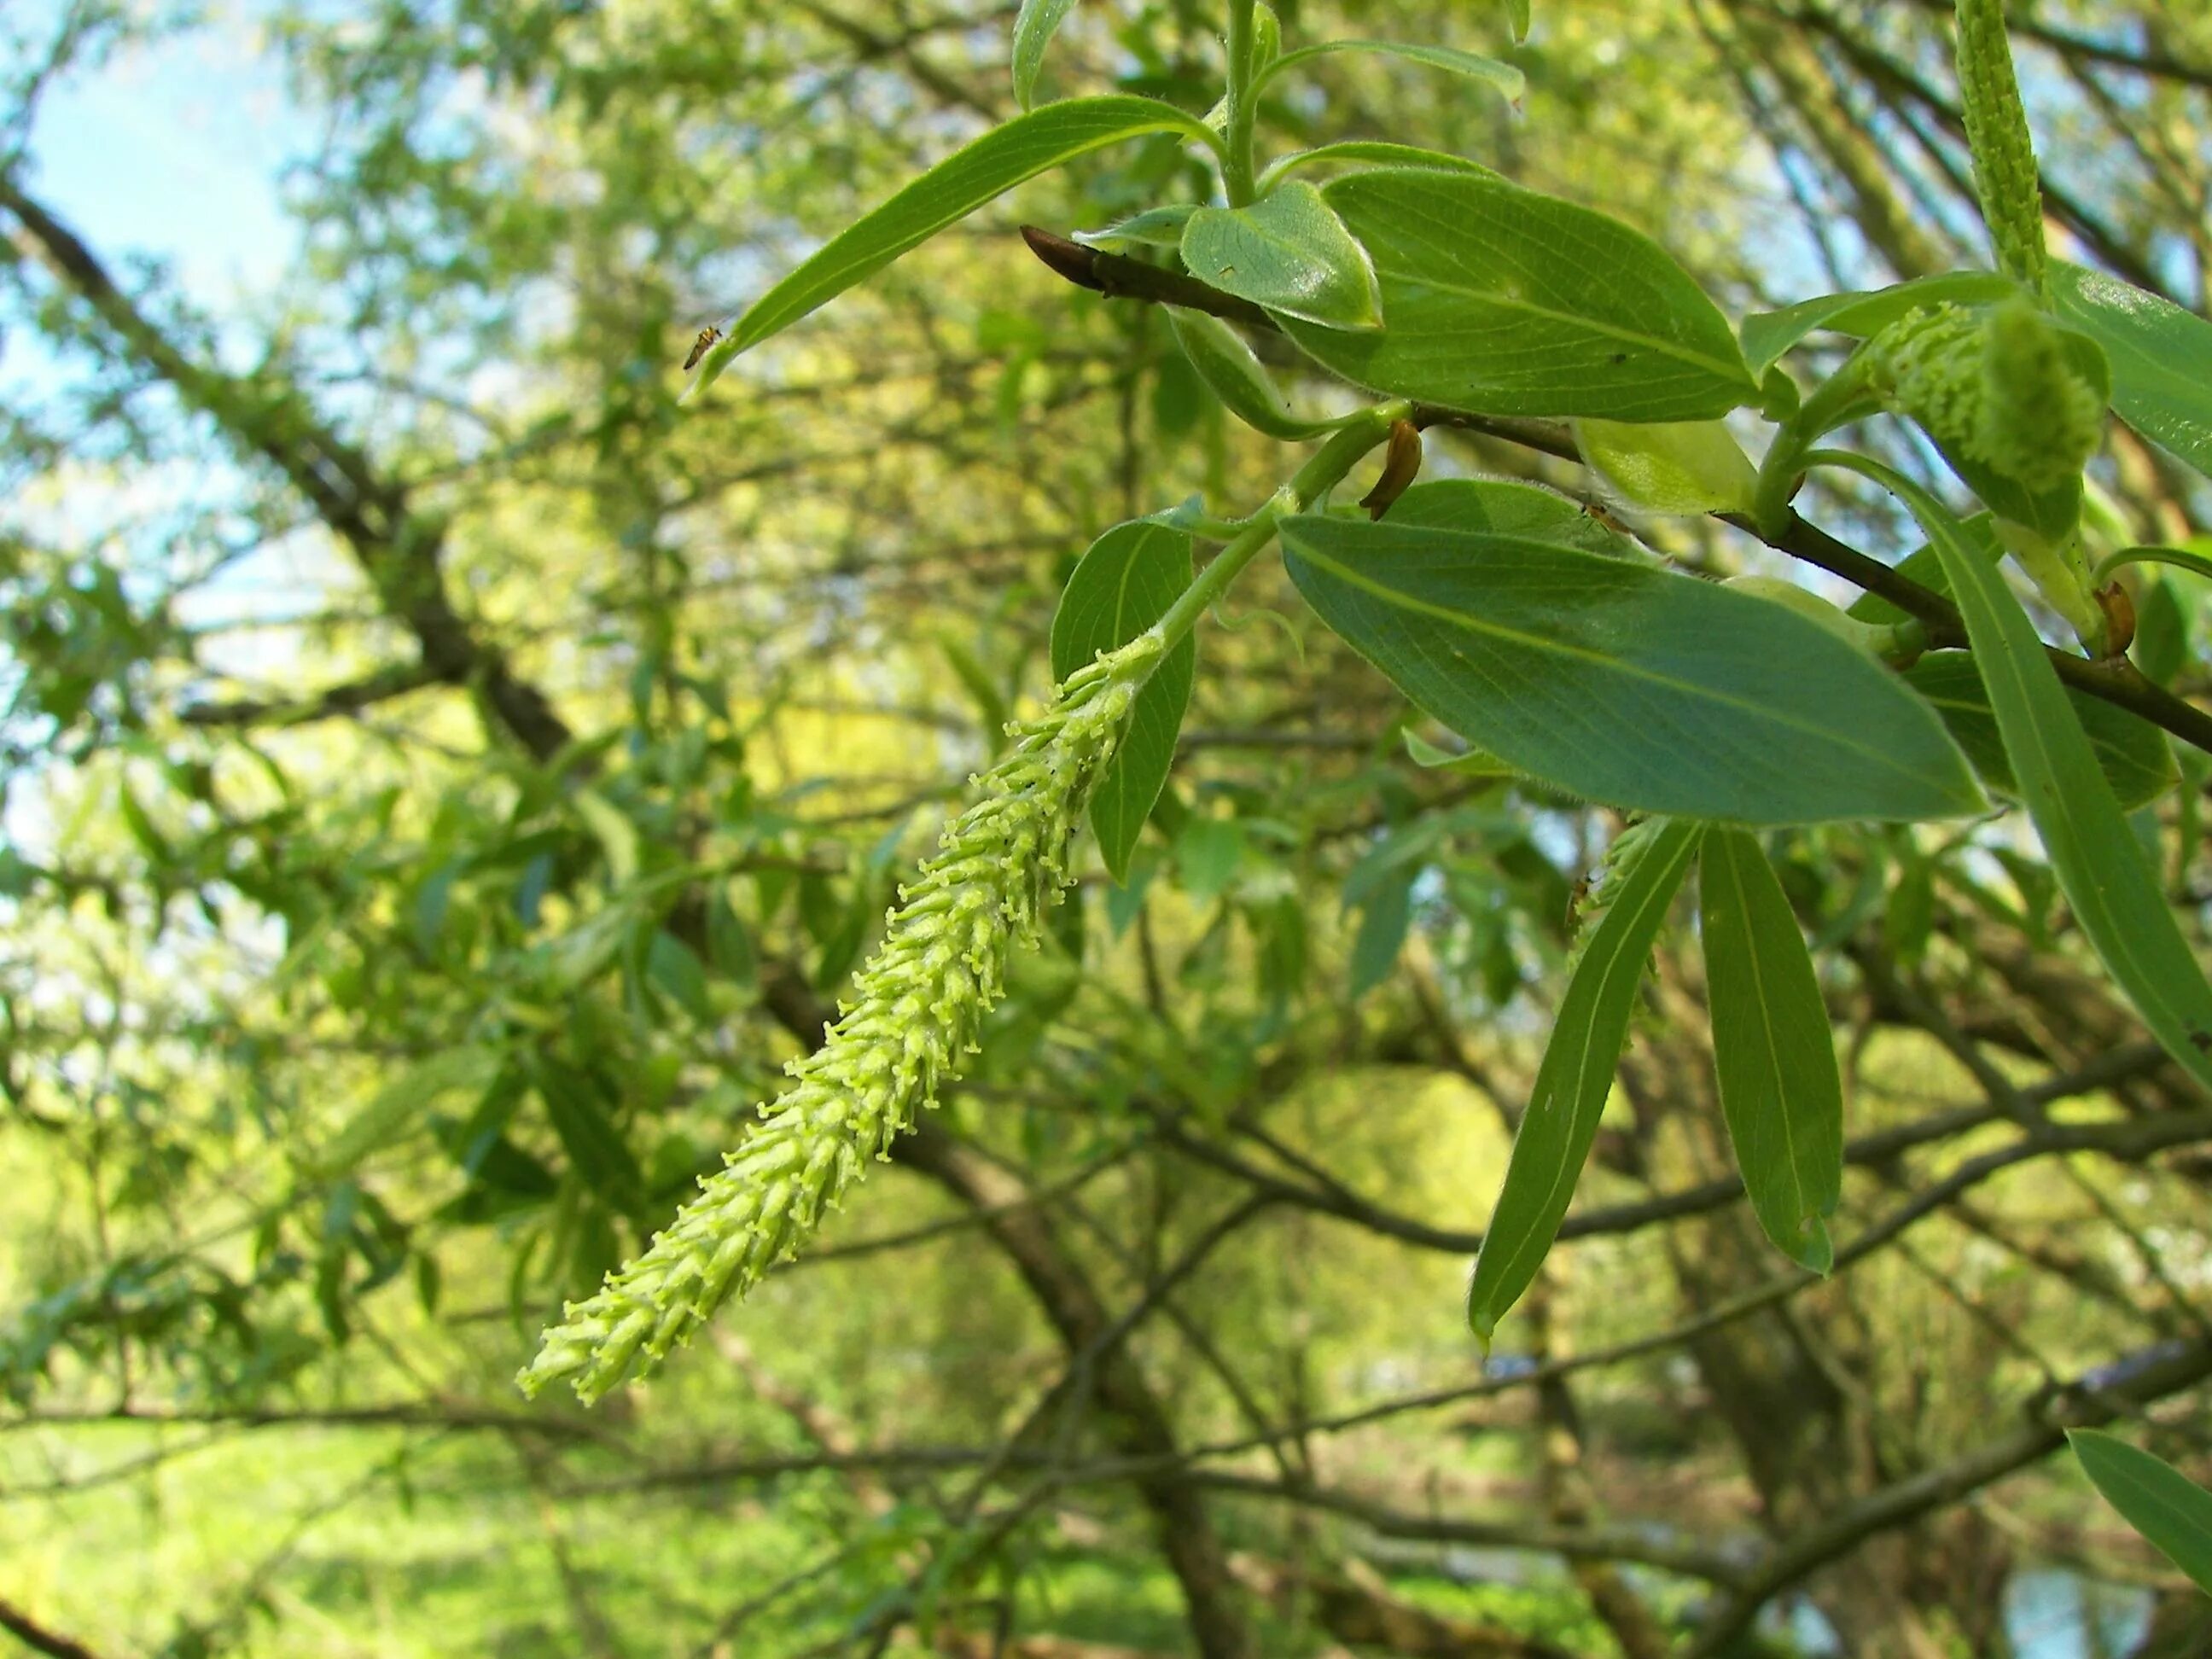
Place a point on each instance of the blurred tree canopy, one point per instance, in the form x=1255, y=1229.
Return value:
x=446, y=780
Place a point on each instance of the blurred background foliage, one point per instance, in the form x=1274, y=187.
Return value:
x=444, y=783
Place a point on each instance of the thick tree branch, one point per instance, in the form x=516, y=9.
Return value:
x=339, y=701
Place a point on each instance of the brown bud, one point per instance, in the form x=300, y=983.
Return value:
x=2119, y=618
x=1069, y=259
x=1401, y=464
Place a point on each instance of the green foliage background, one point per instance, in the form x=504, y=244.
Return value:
x=377, y=977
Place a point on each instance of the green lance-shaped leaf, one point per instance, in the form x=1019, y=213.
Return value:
x=2133, y=754
x=1002, y=158
x=598, y=1154
x=1772, y=1050
x=1768, y=334
x=2159, y=1502
x=2005, y=174
x=1124, y=584
x=1034, y=28
x=1370, y=152
x=1234, y=374
x=1508, y=82
x=2161, y=358
x=1384, y=920
x=1501, y=301
x=1617, y=680
x=1160, y=227
x=1577, y=1073
x=2101, y=867
x=403, y=1105
x=1289, y=252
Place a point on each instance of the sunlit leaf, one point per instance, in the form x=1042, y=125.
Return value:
x=1289, y=252
x=1002, y=158
x=1767, y=335
x=1034, y=28
x=1508, y=81
x=2161, y=357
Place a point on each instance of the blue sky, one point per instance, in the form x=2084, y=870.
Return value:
x=176, y=149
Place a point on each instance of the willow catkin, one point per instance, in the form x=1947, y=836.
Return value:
x=914, y=1011
x=1995, y=385
x=2005, y=175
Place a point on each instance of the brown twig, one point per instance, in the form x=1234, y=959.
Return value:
x=36, y=1637
x=2117, y=682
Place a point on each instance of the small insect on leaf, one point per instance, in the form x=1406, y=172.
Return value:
x=707, y=336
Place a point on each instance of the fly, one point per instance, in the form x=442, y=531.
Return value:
x=707, y=336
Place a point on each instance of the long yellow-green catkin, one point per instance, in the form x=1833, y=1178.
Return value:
x=2003, y=151
x=914, y=1014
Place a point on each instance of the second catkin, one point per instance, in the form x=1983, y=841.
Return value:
x=1995, y=385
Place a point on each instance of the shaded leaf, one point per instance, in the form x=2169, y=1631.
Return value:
x=1124, y=584
x=1775, y=1056
x=2113, y=891
x=1576, y=1074
x=1207, y=852
x=2167, y=1507
x=676, y=969
x=597, y=1152
x=1236, y=375
x=401, y=1105
x=1384, y=923
x=1626, y=682
x=2132, y=753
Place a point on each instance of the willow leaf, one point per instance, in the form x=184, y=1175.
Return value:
x=1575, y=1075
